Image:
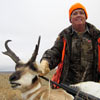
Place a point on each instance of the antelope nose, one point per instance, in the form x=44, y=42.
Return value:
x=12, y=78
x=15, y=76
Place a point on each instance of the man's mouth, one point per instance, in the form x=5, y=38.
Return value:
x=79, y=19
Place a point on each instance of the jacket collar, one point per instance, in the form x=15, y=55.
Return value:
x=87, y=30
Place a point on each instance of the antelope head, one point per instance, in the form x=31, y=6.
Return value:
x=24, y=76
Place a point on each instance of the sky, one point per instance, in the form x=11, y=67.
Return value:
x=23, y=21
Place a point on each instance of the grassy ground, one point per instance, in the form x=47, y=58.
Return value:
x=7, y=93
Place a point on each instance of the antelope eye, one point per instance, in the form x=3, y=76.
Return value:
x=32, y=67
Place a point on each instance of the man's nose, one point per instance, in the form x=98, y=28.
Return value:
x=79, y=14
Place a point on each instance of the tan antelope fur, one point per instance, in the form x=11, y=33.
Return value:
x=26, y=79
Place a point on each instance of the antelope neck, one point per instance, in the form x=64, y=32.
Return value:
x=34, y=88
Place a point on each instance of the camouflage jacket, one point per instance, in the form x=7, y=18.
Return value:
x=81, y=55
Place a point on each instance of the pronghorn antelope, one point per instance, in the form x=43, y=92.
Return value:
x=26, y=79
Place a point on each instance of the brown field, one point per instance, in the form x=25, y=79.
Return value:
x=7, y=93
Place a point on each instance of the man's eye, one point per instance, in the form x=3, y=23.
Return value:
x=75, y=13
x=82, y=13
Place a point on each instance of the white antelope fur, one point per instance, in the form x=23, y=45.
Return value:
x=92, y=88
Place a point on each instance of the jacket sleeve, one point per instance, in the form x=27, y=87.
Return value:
x=54, y=54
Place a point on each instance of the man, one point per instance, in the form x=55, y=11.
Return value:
x=75, y=51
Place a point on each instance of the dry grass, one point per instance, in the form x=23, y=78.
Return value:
x=7, y=93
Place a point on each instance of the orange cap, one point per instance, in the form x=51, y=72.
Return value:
x=77, y=6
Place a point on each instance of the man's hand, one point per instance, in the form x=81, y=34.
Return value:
x=44, y=68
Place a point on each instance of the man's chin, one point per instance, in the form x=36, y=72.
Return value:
x=80, y=24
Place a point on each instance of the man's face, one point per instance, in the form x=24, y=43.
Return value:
x=78, y=17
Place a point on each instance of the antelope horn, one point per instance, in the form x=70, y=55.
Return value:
x=10, y=53
x=35, y=53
